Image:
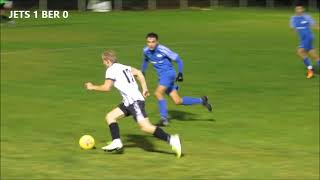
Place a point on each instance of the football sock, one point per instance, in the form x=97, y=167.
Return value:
x=114, y=130
x=319, y=63
x=190, y=101
x=163, y=108
x=307, y=63
x=159, y=133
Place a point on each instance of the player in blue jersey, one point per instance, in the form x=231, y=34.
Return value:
x=302, y=23
x=161, y=58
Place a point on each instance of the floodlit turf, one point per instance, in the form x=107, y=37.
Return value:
x=265, y=123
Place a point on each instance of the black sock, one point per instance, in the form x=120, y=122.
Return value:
x=114, y=130
x=159, y=133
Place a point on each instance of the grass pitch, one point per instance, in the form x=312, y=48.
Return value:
x=265, y=124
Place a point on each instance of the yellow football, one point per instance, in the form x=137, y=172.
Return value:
x=86, y=142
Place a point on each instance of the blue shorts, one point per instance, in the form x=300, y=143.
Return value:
x=168, y=80
x=306, y=44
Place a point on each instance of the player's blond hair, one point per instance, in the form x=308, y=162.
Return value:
x=110, y=55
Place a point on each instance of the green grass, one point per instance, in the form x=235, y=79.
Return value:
x=265, y=124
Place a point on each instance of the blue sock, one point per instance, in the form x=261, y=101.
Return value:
x=307, y=63
x=190, y=101
x=163, y=108
x=319, y=63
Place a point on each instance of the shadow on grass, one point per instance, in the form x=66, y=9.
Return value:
x=141, y=141
x=186, y=116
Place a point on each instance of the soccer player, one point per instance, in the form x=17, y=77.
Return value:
x=122, y=77
x=161, y=58
x=302, y=23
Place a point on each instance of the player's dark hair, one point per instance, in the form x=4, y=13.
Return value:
x=299, y=3
x=152, y=35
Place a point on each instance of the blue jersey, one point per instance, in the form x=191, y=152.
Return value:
x=161, y=58
x=302, y=24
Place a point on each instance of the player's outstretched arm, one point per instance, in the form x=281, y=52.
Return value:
x=104, y=87
x=179, y=62
x=174, y=57
x=180, y=69
x=312, y=22
x=142, y=80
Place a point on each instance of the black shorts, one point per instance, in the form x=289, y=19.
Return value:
x=137, y=110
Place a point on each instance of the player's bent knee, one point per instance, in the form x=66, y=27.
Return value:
x=301, y=53
x=158, y=94
x=314, y=55
x=177, y=101
x=110, y=119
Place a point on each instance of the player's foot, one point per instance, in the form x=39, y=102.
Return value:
x=176, y=144
x=115, y=145
x=205, y=102
x=163, y=122
x=309, y=73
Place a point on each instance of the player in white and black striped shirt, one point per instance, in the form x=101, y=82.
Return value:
x=122, y=77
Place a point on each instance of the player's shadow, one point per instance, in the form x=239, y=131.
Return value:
x=186, y=116
x=141, y=141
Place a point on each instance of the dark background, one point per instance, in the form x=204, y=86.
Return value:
x=161, y=4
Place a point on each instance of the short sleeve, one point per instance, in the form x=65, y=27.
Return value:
x=110, y=75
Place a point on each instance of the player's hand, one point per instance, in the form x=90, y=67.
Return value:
x=145, y=93
x=179, y=77
x=89, y=86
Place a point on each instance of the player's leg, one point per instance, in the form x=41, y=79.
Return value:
x=173, y=140
x=162, y=103
x=314, y=55
x=175, y=97
x=140, y=115
x=111, y=119
x=186, y=101
x=304, y=56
